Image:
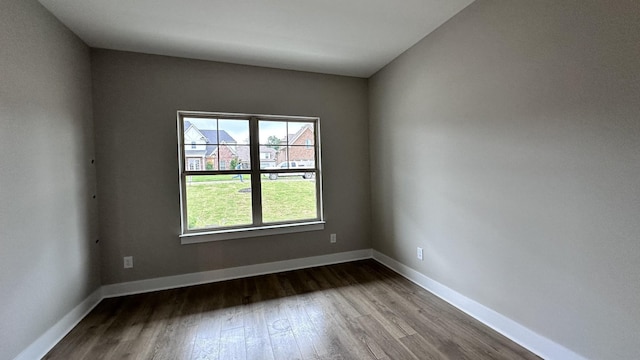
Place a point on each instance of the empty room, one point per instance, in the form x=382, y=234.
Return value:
x=425, y=179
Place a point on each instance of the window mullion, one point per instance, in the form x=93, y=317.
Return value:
x=256, y=186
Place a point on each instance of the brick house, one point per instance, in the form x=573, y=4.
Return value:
x=267, y=156
x=215, y=149
x=300, y=145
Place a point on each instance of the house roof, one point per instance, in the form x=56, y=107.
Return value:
x=224, y=136
x=211, y=149
x=212, y=137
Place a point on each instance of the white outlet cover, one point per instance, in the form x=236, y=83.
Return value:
x=128, y=262
x=419, y=253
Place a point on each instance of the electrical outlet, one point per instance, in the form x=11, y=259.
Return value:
x=333, y=238
x=419, y=253
x=128, y=262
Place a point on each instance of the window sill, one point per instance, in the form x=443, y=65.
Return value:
x=194, y=238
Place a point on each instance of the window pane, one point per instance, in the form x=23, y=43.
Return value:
x=243, y=157
x=215, y=201
x=200, y=137
x=199, y=158
x=230, y=157
x=233, y=131
x=267, y=157
x=301, y=157
x=278, y=160
x=273, y=140
x=200, y=131
x=288, y=198
x=272, y=133
x=301, y=133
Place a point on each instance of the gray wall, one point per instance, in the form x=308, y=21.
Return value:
x=136, y=97
x=507, y=144
x=49, y=262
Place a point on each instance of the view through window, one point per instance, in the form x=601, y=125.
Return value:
x=248, y=171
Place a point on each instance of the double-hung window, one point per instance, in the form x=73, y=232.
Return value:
x=236, y=190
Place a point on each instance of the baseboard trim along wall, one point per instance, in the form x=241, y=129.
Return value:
x=532, y=341
x=46, y=341
x=172, y=282
x=519, y=334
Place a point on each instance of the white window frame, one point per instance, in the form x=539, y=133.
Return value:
x=258, y=228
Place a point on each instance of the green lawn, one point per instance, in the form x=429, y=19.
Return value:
x=207, y=178
x=227, y=203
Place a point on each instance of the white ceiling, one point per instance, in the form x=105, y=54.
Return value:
x=344, y=37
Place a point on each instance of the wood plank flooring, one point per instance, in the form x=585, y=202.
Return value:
x=358, y=310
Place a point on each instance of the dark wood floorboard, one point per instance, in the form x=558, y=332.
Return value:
x=358, y=310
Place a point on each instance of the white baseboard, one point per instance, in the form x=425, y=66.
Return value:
x=46, y=341
x=171, y=282
x=519, y=334
x=532, y=341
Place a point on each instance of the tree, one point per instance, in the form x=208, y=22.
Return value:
x=274, y=142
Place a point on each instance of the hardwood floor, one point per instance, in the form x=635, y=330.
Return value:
x=358, y=310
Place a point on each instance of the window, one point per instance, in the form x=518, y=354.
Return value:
x=237, y=195
x=193, y=164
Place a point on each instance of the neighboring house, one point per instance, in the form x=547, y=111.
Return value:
x=300, y=146
x=222, y=155
x=215, y=149
x=195, y=148
x=209, y=149
x=267, y=157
